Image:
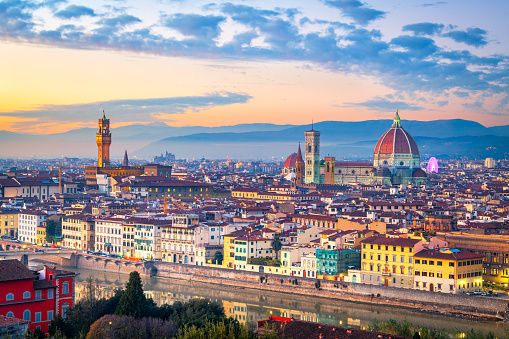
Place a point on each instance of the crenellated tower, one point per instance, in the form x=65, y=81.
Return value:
x=103, y=140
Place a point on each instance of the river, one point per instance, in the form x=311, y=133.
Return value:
x=249, y=305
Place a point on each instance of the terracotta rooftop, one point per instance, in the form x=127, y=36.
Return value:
x=14, y=270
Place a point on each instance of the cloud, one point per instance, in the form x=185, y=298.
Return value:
x=200, y=26
x=424, y=28
x=472, y=36
x=433, y=4
x=119, y=21
x=384, y=105
x=356, y=10
x=419, y=46
x=407, y=64
x=75, y=11
x=461, y=94
x=152, y=109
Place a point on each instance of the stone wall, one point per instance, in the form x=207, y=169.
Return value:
x=385, y=296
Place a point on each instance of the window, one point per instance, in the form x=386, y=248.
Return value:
x=417, y=261
x=26, y=295
x=10, y=314
x=65, y=287
x=26, y=315
x=37, y=317
x=50, y=294
x=38, y=295
x=9, y=296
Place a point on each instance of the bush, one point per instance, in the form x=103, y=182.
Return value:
x=125, y=327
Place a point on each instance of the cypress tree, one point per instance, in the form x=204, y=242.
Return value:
x=133, y=301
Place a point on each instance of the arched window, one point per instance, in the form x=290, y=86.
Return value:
x=10, y=314
x=9, y=296
x=26, y=295
x=65, y=287
x=26, y=315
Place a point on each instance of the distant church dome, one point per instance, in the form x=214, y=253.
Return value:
x=396, y=140
x=396, y=148
x=419, y=173
x=290, y=161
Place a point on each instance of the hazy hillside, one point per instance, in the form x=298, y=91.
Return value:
x=252, y=141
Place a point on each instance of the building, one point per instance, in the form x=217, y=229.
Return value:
x=180, y=238
x=396, y=160
x=103, y=140
x=12, y=327
x=447, y=271
x=493, y=248
x=337, y=261
x=440, y=223
x=389, y=261
x=9, y=222
x=78, y=232
x=312, y=155
x=95, y=173
x=35, y=297
x=490, y=163
x=153, y=188
x=148, y=237
x=28, y=221
x=108, y=235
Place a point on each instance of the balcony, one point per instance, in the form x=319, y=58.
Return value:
x=388, y=274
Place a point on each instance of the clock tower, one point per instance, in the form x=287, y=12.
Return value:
x=103, y=140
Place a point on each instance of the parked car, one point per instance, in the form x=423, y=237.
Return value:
x=45, y=245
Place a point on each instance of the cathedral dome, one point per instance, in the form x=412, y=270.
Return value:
x=396, y=141
x=396, y=148
x=290, y=161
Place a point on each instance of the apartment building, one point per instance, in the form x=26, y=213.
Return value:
x=180, y=238
x=28, y=221
x=447, y=271
x=389, y=261
x=78, y=232
x=9, y=222
x=108, y=235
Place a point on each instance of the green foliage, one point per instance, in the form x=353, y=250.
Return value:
x=125, y=327
x=218, y=258
x=53, y=228
x=276, y=245
x=267, y=261
x=221, y=330
x=37, y=334
x=405, y=329
x=133, y=301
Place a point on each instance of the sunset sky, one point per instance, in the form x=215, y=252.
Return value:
x=222, y=63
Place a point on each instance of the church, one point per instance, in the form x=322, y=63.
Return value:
x=396, y=161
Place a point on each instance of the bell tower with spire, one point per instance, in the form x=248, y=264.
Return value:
x=103, y=140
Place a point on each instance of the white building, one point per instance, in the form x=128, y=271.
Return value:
x=28, y=221
x=108, y=235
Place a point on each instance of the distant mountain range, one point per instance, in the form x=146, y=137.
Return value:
x=443, y=138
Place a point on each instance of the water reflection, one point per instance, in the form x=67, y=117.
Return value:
x=248, y=305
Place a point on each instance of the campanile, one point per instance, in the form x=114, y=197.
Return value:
x=103, y=140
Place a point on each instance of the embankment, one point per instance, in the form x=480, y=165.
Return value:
x=447, y=304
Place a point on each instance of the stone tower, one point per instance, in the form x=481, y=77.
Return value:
x=312, y=152
x=330, y=168
x=126, y=159
x=103, y=140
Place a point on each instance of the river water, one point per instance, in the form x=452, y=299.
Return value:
x=249, y=305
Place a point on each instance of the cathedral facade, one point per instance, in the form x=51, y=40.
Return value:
x=396, y=161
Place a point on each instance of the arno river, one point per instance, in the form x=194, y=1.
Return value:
x=248, y=305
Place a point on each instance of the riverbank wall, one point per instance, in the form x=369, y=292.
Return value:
x=442, y=303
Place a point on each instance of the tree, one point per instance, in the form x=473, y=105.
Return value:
x=276, y=245
x=218, y=257
x=53, y=228
x=124, y=327
x=133, y=301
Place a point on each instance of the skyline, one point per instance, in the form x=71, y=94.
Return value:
x=197, y=63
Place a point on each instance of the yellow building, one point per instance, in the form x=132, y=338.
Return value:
x=447, y=271
x=389, y=261
x=40, y=238
x=8, y=222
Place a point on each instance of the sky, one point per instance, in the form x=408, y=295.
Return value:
x=205, y=63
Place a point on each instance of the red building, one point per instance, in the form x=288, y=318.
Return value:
x=36, y=297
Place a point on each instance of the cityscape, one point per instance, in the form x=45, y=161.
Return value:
x=301, y=170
